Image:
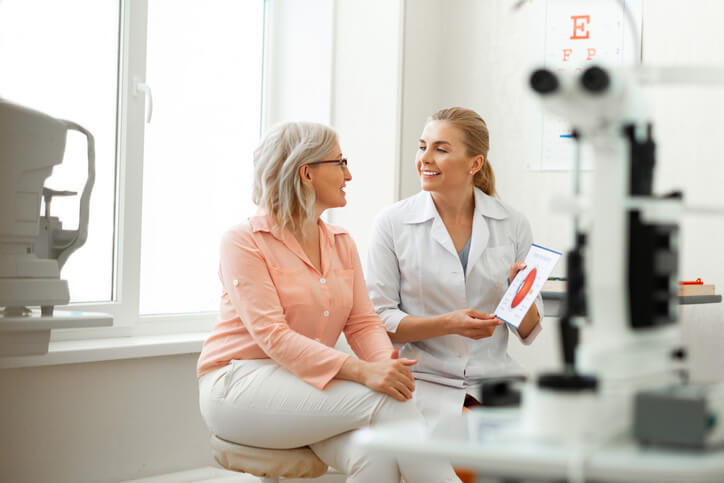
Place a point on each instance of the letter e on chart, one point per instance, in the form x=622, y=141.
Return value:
x=580, y=22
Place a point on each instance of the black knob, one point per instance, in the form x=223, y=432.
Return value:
x=679, y=354
x=567, y=382
x=595, y=79
x=544, y=81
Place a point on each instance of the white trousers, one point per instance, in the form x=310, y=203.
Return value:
x=259, y=403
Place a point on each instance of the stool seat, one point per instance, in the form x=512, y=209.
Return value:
x=268, y=463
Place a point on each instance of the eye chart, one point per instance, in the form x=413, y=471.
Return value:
x=578, y=35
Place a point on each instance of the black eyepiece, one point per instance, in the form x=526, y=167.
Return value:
x=543, y=81
x=595, y=79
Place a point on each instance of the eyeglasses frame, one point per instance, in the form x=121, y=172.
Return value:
x=342, y=162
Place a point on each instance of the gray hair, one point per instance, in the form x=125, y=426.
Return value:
x=277, y=185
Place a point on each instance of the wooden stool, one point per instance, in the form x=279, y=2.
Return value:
x=269, y=464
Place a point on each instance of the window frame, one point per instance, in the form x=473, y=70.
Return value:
x=128, y=196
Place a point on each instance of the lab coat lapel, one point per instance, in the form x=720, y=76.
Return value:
x=439, y=233
x=480, y=237
x=423, y=210
x=485, y=207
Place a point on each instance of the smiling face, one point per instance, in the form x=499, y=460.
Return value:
x=328, y=181
x=442, y=160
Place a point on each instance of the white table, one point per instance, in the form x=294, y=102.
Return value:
x=462, y=440
x=553, y=301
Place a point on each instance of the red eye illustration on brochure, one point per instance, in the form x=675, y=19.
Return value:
x=524, y=288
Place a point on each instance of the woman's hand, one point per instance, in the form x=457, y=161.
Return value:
x=514, y=269
x=471, y=323
x=391, y=377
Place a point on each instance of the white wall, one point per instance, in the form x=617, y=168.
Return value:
x=366, y=108
x=298, y=61
x=478, y=54
x=101, y=422
x=689, y=126
x=338, y=62
x=422, y=79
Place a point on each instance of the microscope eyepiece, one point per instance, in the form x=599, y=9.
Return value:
x=595, y=79
x=543, y=81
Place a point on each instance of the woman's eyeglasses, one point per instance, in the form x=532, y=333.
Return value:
x=342, y=163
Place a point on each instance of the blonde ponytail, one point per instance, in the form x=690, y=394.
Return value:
x=484, y=179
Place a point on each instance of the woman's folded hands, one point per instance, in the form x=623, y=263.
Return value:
x=388, y=376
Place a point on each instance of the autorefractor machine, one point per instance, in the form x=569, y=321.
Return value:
x=34, y=248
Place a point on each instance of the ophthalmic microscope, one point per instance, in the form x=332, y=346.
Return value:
x=622, y=271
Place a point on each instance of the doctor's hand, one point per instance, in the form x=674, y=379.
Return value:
x=515, y=268
x=391, y=377
x=471, y=323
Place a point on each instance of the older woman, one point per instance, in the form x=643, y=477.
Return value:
x=439, y=261
x=269, y=374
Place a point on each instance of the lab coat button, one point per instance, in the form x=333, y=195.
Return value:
x=323, y=280
x=326, y=313
x=236, y=283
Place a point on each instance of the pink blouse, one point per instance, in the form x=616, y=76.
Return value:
x=275, y=304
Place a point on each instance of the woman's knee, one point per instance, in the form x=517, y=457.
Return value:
x=391, y=410
x=376, y=468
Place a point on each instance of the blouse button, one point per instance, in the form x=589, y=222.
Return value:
x=326, y=313
x=323, y=280
x=317, y=339
x=236, y=283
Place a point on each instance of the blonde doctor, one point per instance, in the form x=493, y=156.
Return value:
x=439, y=262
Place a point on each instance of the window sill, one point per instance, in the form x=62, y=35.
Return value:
x=108, y=349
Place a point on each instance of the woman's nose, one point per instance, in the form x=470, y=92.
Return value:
x=424, y=155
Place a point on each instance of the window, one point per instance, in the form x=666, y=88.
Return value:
x=205, y=71
x=64, y=65
x=167, y=189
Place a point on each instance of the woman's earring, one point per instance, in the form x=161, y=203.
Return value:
x=471, y=171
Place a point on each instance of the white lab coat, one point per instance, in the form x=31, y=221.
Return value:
x=414, y=269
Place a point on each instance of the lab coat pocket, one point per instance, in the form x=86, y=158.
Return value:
x=496, y=263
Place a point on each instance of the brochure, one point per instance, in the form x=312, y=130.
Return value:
x=526, y=285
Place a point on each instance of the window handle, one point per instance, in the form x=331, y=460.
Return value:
x=145, y=89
